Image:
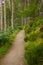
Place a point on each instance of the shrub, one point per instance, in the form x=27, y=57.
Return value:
x=3, y=38
x=32, y=36
x=34, y=54
x=4, y=35
x=26, y=38
x=41, y=35
x=33, y=25
x=17, y=26
x=7, y=44
x=34, y=50
x=27, y=29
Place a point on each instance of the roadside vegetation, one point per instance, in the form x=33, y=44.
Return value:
x=9, y=27
x=6, y=39
x=34, y=42
x=34, y=37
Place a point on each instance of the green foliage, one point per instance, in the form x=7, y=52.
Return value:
x=34, y=54
x=4, y=36
x=34, y=37
x=30, y=11
x=32, y=30
x=31, y=37
x=17, y=26
x=41, y=35
x=6, y=46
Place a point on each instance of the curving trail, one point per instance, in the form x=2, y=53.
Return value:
x=15, y=56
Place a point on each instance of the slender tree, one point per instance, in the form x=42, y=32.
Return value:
x=22, y=19
x=25, y=8
x=0, y=14
x=5, y=15
x=28, y=18
x=1, y=24
x=12, y=14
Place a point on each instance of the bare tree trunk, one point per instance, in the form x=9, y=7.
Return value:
x=1, y=26
x=22, y=19
x=5, y=15
x=28, y=18
x=25, y=17
x=1, y=17
x=12, y=14
x=0, y=14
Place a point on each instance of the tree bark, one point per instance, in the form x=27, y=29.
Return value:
x=12, y=14
x=25, y=8
x=1, y=23
x=0, y=14
x=28, y=18
x=5, y=15
x=1, y=17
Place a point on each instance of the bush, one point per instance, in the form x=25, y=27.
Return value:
x=34, y=54
x=41, y=35
x=32, y=30
x=27, y=29
x=3, y=38
x=26, y=38
x=4, y=35
x=34, y=49
x=33, y=36
x=17, y=26
x=33, y=25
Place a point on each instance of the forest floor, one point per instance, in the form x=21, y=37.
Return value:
x=15, y=56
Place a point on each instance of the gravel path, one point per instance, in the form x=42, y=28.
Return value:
x=15, y=56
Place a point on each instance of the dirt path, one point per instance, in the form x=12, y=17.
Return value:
x=16, y=54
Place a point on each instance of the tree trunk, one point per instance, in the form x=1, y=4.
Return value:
x=28, y=18
x=0, y=14
x=22, y=19
x=25, y=17
x=1, y=27
x=12, y=14
x=1, y=17
x=5, y=15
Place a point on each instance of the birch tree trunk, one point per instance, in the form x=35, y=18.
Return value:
x=0, y=14
x=1, y=17
x=5, y=15
x=1, y=23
